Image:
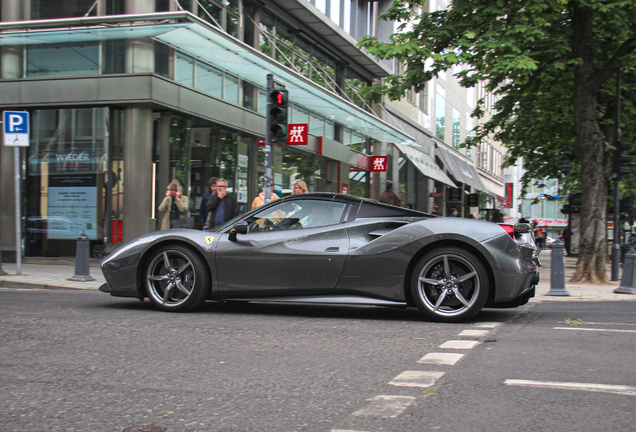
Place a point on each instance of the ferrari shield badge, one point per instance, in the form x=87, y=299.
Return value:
x=209, y=240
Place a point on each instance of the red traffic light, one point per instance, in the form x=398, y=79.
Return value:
x=279, y=97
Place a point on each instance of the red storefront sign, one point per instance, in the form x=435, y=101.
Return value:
x=297, y=134
x=344, y=188
x=509, y=195
x=379, y=163
x=436, y=194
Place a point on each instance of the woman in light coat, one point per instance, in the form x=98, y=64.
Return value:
x=174, y=205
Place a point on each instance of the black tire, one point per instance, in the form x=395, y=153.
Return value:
x=449, y=284
x=176, y=279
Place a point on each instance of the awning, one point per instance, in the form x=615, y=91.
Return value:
x=205, y=42
x=395, y=118
x=425, y=164
x=462, y=170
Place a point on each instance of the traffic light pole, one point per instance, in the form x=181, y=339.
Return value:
x=616, y=248
x=267, y=186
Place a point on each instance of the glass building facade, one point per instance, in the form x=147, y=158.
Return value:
x=119, y=109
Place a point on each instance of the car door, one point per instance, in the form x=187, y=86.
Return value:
x=296, y=247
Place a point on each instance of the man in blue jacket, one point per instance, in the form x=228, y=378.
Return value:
x=221, y=207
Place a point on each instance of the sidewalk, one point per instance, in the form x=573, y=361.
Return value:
x=54, y=274
x=48, y=274
x=577, y=291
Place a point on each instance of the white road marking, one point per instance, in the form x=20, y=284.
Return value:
x=477, y=333
x=594, y=329
x=416, y=379
x=602, y=388
x=597, y=323
x=384, y=406
x=487, y=325
x=459, y=344
x=344, y=430
x=441, y=358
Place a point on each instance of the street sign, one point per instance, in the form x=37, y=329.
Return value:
x=16, y=128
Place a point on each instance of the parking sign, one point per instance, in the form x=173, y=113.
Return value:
x=16, y=128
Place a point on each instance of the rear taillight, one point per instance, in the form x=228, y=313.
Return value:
x=510, y=229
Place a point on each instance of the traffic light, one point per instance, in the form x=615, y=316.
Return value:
x=623, y=163
x=279, y=99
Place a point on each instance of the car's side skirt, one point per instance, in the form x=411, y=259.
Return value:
x=343, y=299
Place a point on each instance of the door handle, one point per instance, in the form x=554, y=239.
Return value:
x=332, y=249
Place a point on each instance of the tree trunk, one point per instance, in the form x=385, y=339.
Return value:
x=594, y=181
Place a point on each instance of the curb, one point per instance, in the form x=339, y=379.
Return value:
x=4, y=283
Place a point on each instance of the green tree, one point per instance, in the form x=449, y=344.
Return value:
x=551, y=62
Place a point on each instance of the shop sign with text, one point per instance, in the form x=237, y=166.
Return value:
x=509, y=195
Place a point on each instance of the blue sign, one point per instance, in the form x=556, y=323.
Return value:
x=16, y=122
x=16, y=128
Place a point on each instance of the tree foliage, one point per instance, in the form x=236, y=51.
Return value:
x=552, y=64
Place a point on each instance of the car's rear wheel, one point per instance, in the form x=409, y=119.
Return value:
x=449, y=284
x=176, y=279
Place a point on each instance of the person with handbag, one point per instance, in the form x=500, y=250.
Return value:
x=174, y=206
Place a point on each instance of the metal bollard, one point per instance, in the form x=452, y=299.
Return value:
x=82, y=267
x=2, y=272
x=557, y=271
x=629, y=274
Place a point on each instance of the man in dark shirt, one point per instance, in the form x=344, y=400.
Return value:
x=221, y=207
x=203, y=212
x=436, y=210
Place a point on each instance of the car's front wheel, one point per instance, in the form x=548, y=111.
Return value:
x=176, y=279
x=449, y=284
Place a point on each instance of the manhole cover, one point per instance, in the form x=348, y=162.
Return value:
x=146, y=428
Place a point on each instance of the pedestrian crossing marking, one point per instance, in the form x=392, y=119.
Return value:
x=423, y=379
x=459, y=344
x=441, y=358
x=385, y=406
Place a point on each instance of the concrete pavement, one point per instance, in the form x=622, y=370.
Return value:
x=54, y=274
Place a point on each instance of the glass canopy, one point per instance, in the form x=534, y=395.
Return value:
x=210, y=44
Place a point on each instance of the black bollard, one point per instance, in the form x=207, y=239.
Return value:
x=82, y=262
x=2, y=272
x=629, y=274
x=557, y=271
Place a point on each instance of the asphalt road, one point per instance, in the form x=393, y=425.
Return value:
x=84, y=361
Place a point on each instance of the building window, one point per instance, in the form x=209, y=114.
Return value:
x=209, y=79
x=457, y=120
x=63, y=59
x=231, y=93
x=47, y=9
x=114, y=57
x=224, y=14
x=423, y=104
x=334, y=11
x=440, y=116
x=317, y=125
x=469, y=135
x=321, y=5
x=262, y=101
x=185, y=70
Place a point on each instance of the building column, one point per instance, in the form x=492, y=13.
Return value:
x=7, y=198
x=140, y=6
x=137, y=173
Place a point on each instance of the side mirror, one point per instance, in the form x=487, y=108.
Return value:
x=239, y=228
